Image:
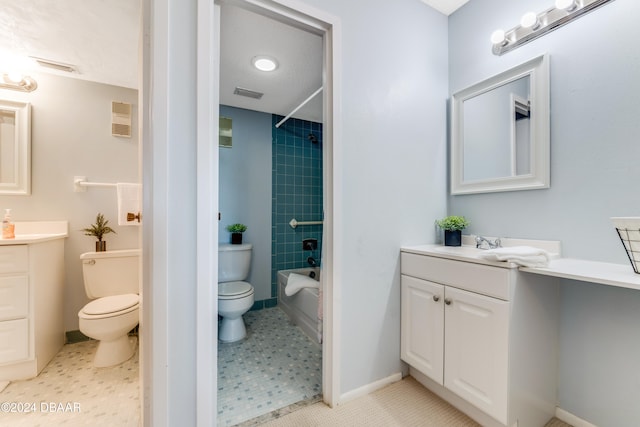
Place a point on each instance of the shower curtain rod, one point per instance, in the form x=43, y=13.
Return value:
x=298, y=107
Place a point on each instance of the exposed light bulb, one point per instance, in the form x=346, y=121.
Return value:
x=498, y=37
x=264, y=63
x=530, y=20
x=567, y=5
x=14, y=76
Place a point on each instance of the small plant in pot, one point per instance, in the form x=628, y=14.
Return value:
x=453, y=226
x=236, y=231
x=98, y=230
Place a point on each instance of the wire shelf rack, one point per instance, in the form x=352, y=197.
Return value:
x=630, y=238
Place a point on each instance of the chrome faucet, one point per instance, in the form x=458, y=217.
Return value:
x=492, y=245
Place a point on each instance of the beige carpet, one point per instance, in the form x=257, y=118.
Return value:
x=404, y=403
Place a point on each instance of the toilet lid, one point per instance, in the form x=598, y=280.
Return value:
x=229, y=289
x=111, y=304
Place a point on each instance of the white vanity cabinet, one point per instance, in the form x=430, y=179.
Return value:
x=31, y=303
x=481, y=336
x=14, y=303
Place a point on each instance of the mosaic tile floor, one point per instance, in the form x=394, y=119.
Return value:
x=71, y=392
x=274, y=367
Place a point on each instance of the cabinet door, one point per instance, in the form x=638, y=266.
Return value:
x=14, y=259
x=14, y=297
x=476, y=349
x=422, y=326
x=14, y=341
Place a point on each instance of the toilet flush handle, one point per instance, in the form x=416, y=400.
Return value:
x=90, y=262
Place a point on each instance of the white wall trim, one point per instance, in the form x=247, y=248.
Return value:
x=208, y=72
x=154, y=320
x=369, y=388
x=571, y=419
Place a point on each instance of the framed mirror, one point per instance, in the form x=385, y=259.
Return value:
x=15, y=148
x=500, y=132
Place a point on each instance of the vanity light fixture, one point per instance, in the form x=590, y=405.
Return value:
x=264, y=63
x=535, y=25
x=18, y=82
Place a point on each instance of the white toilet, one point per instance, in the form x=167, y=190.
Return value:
x=111, y=282
x=235, y=297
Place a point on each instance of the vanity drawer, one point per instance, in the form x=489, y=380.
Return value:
x=14, y=297
x=482, y=279
x=14, y=259
x=14, y=340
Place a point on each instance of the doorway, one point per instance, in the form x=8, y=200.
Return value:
x=301, y=17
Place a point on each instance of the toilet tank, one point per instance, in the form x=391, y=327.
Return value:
x=234, y=262
x=111, y=272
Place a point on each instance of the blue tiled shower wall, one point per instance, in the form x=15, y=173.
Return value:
x=297, y=193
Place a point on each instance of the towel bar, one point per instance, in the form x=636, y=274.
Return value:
x=294, y=223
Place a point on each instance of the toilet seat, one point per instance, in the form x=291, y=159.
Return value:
x=110, y=306
x=234, y=290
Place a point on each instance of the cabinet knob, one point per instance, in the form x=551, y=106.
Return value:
x=448, y=301
x=436, y=298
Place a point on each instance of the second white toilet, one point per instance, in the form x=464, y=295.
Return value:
x=235, y=296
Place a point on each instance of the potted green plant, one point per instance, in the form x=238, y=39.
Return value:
x=453, y=226
x=236, y=231
x=98, y=230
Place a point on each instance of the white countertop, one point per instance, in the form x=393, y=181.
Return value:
x=37, y=231
x=603, y=273
x=619, y=275
x=457, y=253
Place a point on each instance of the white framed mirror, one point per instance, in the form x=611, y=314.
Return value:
x=500, y=138
x=15, y=148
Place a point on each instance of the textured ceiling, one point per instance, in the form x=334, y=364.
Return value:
x=243, y=35
x=101, y=39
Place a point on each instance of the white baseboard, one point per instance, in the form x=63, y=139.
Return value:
x=569, y=418
x=369, y=388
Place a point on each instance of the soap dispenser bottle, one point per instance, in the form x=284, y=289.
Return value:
x=8, y=228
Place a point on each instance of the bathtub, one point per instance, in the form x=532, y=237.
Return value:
x=302, y=307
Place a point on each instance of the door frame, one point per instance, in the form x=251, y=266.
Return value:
x=303, y=16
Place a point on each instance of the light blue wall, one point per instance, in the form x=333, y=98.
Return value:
x=245, y=190
x=392, y=168
x=594, y=176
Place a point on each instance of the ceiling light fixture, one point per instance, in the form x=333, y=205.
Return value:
x=264, y=63
x=535, y=25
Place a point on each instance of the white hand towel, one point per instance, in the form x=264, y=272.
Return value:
x=296, y=281
x=129, y=201
x=525, y=256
